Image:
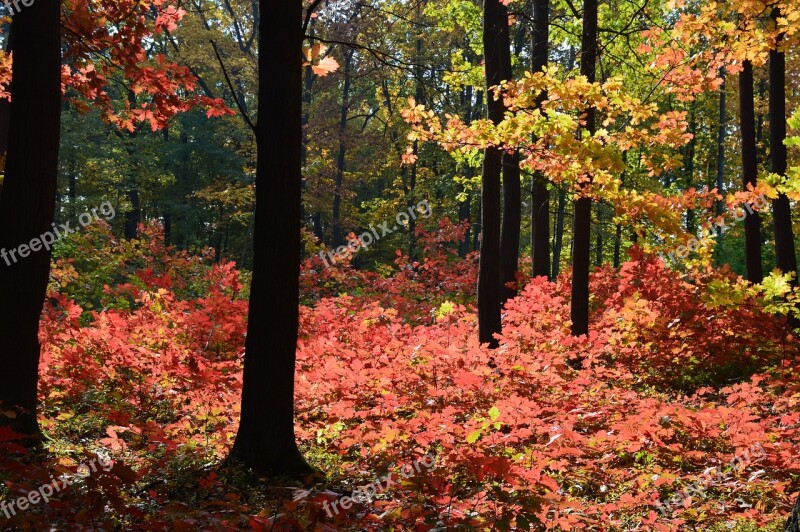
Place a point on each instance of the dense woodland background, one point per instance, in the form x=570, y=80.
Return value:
x=593, y=325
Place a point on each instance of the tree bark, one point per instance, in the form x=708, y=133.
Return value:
x=266, y=440
x=495, y=25
x=793, y=523
x=558, y=245
x=338, y=233
x=723, y=123
x=512, y=188
x=582, y=224
x=540, y=198
x=785, y=258
x=752, y=221
x=28, y=203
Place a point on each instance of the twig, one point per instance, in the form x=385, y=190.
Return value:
x=230, y=86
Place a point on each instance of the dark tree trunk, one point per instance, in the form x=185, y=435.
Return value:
x=512, y=221
x=598, y=249
x=167, y=229
x=558, y=245
x=512, y=187
x=582, y=224
x=476, y=231
x=617, y=244
x=464, y=215
x=419, y=95
x=308, y=86
x=72, y=190
x=266, y=441
x=689, y=155
x=338, y=233
x=28, y=203
x=723, y=124
x=793, y=523
x=134, y=216
x=540, y=199
x=785, y=258
x=496, y=48
x=752, y=222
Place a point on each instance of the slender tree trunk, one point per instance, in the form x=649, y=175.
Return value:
x=752, y=221
x=582, y=224
x=308, y=87
x=28, y=204
x=559, y=233
x=266, y=440
x=134, y=216
x=464, y=215
x=512, y=187
x=598, y=259
x=617, y=245
x=689, y=155
x=476, y=232
x=785, y=258
x=723, y=124
x=419, y=95
x=540, y=198
x=495, y=25
x=338, y=233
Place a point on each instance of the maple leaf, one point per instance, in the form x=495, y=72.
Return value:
x=325, y=66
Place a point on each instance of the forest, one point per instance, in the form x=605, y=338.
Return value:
x=384, y=265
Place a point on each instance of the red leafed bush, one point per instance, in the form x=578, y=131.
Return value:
x=616, y=431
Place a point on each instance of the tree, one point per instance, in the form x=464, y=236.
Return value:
x=497, y=46
x=28, y=203
x=512, y=192
x=752, y=222
x=581, y=232
x=540, y=203
x=785, y=258
x=266, y=441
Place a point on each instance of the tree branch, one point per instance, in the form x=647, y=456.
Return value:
x=233, y=91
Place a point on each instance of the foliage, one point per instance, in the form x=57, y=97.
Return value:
x=547, y=431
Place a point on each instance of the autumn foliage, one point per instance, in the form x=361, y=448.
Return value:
x=142, y=360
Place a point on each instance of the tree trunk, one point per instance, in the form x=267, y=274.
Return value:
x=464, y=215
x=495, y=25
x=134, y=216
x=582, y=224
x=512, y=221
x=308, y=87
x=540, y=198
x=723, y=123
x=28, y=203
x=558, y=245
x=793, y=523
x=512, y=189
x=598, y=248
x=476, y=231
x=752, y=221
x=689, y=155
x=338, y=233
x=785, y=258
x=266, y=441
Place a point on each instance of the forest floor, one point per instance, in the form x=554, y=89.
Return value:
x=679, y=411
